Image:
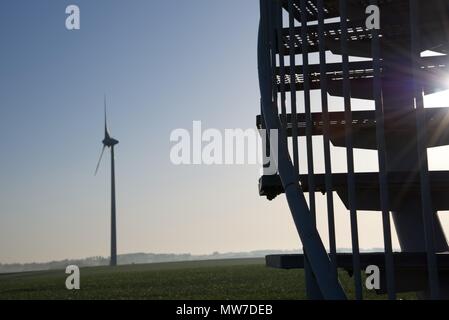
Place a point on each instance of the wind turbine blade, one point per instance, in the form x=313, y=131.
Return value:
x=105, y=119
x=99, y=160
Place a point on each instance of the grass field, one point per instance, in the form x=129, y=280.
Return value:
x=202, y=280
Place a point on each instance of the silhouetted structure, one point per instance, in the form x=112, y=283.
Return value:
x=109, y=142
x=395, y=77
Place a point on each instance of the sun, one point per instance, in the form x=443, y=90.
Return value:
x=437, y=100
x=441, y=98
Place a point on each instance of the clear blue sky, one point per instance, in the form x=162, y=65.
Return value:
x=162, y=64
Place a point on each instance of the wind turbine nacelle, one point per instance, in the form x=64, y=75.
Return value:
x=109, y=142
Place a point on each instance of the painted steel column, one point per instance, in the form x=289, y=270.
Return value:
x=113, y=212
x=326, y=141
x=383, y=178
x=350, y=152
x=313, y=291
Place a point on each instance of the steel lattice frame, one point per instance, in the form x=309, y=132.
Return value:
x=395, y=78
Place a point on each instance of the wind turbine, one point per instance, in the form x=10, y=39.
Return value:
x=109, y=142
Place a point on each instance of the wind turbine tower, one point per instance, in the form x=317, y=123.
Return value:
x=109, y=142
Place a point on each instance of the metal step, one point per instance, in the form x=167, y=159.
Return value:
x=359, y=37
x=410, y=267
x=331, y=9
x=433, y=78
x=403, y=187
x=393, y=12
x=364, y=127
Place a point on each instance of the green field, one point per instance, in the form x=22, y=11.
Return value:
x=203, y=280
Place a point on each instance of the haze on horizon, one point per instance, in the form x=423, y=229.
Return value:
x=162, y=64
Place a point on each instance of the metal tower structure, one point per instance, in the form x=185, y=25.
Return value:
x=109, y=142
x=382, y=66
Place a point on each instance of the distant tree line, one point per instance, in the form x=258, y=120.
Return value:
x=141, y=258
